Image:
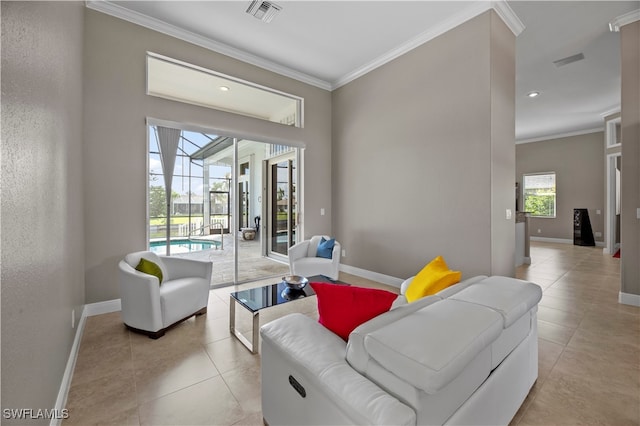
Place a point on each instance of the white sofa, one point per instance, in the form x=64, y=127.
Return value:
x=150, y=308
x=468, y=355
x=303, y=260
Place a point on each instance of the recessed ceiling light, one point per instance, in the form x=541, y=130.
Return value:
x=224, y=88
x=533, y=94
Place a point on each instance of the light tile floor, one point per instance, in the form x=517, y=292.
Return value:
x=589, y=345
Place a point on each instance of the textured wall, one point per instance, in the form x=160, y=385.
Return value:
x=115, y=154
x=42, y=220
x=579, y=166
x=423, y=156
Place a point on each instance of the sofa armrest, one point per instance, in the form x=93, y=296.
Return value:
x=291, y=344
x=179, y=267
x=140, y=298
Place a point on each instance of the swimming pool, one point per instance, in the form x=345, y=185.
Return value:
x=183, y=246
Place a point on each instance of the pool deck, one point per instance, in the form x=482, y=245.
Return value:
x=251, y=264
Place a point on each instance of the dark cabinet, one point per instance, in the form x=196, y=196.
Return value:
x=582, y=233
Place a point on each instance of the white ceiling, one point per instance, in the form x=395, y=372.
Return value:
x=329, y=43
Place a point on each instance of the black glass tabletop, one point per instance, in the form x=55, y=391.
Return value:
x=255, y=299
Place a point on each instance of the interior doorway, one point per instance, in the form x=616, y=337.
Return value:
x=614, y=173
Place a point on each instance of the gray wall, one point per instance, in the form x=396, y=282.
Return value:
x=424, y=156
x=42, y=224
x=580, y=180
x=115, y=153
x=630, y=180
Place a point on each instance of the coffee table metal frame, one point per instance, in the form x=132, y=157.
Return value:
x=276, y=289
x=253, y=344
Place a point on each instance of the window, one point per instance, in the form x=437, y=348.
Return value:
x=614, y=133
x=180, y=81
x=539, y=194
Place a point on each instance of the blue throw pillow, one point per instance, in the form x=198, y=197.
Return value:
x=325, y=248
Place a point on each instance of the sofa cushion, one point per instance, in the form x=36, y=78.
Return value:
x=182, y=297
x=435, y=276
x=342, y=308
x=430, y=348
x=510, y=297
x=357, y=355
x=453, y=289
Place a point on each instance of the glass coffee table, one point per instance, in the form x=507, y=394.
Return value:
x=256, y=299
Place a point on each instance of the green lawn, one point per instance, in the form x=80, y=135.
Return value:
x=176, y=220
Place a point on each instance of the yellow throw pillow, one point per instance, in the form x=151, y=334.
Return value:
x=431, y=279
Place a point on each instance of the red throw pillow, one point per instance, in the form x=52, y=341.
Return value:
x=342, y=308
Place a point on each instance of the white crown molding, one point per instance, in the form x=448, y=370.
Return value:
x=561, y=135
x=117, y=11
x=501, y=7
x=609, y=112
x=622, y=20
x=509, y=17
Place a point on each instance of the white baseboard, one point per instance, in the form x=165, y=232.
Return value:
x=87, y=311
x=560, y=240
x=370, y=275
x=63, y=392
x=100, y=308
x=629, y=299
x=552, y=240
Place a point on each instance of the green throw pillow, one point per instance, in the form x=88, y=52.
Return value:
x=148, y=267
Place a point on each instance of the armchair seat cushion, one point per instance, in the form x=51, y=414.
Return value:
x=182, y=295
x=312, y=262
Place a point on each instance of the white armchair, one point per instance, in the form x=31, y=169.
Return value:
x=303, y=260
x=151, y=308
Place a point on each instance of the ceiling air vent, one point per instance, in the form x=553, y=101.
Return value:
x=263, y=10
x=569, y=59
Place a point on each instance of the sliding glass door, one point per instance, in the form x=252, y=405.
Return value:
x=227, y=198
